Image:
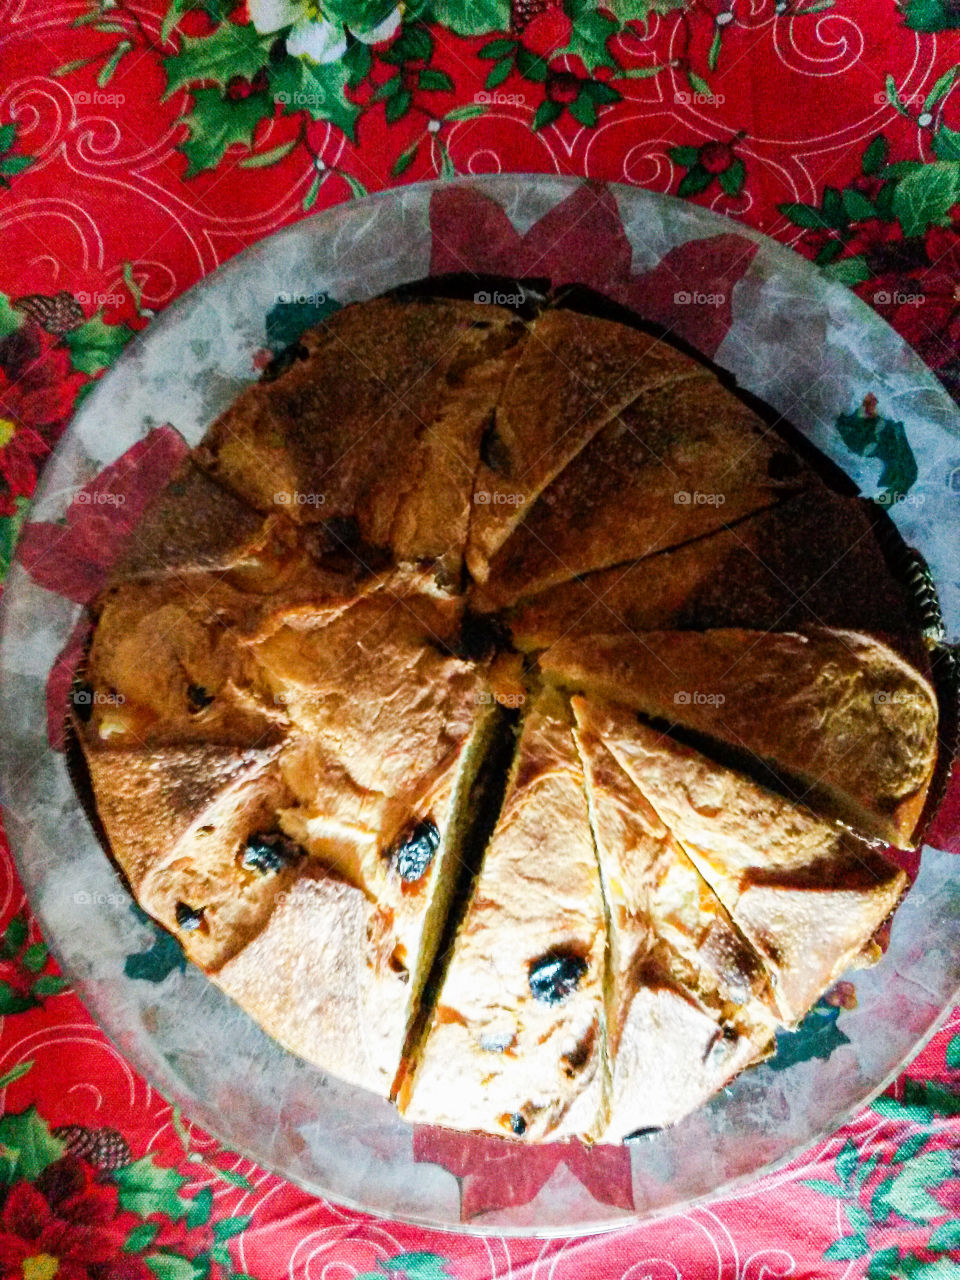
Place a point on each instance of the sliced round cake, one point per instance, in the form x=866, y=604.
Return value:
x=509, y=718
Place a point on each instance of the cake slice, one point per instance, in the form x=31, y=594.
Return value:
x=193, y=525
x=680, y=461
x=838, y=712
x=356, y=429
x=382, y=685
x=812, y=559
x=179, y=820
x=514, y=1043
x=574, y=374
x=338, y=971
x=688, y=1001
x=168, y=664
x=807, y=895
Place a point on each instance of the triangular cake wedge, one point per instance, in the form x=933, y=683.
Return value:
x=196, y=532
x=354, y=429
x=688, y=1001
x=168, y=664
x=337, y=973
x=399, y=645
x=838, y=712
x=514, y=1044
x=810, y=560
x=177, y=819
x=574, y=374
x=807, y=895
x=193, y=525
x=679, y=462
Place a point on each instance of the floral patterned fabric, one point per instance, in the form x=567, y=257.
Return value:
x=142, y=144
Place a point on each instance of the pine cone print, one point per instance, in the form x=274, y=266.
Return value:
x=58, y=314
x=103, y=1148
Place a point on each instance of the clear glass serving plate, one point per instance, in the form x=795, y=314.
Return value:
x=806, y=346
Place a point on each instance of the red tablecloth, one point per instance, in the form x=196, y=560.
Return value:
x=141, y=144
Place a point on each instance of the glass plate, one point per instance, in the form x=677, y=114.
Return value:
x=805, y=345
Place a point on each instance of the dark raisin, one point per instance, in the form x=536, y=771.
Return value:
x=270, y=851
x=555, y=976
x=188, y=917
x=518, y=1124
x=198, y=697
x=414, y=851
x=81, y=699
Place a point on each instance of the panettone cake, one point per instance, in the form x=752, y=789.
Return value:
x=510, y=718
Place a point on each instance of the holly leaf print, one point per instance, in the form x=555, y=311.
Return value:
x=216, y=123
x=417, y=1266
x=908, y=1193
x=924, y=198
x=591, y=31
x=231, y=50
x=469, y=17
x=27, y=1146
x=930, y=15
x=317, y=88
x=147, y=1188
x=95, y=345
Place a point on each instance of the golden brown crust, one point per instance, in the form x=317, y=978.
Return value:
x=838, y=711
x=284, y=660
x=308, y=980
x=575, y=373
x=348, y=431
x=680, y=973
x=679, y=462
x=810, y=560
x=177, y=819
x=807, y=895
x=193, y=525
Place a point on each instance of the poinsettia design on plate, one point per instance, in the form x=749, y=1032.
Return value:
x=582, y=240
